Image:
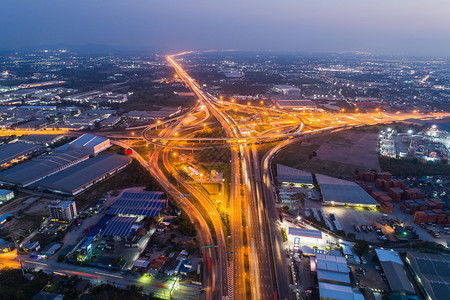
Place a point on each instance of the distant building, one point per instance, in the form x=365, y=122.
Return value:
x=286, y=89
x=90, y=144
x=62, y=210
x=6, y=195
x=16, y=151
x=110, y=121
x=296, y=104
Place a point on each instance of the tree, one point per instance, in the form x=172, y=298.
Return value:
x=361, y=247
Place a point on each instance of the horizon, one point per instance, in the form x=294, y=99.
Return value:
x=405, y=28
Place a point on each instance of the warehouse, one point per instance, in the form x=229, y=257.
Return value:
x=291, y=176
x=392, y=266
x=143, y=204
x=14, y=151
x=73, y=181
x=343, y=192
x=41, y=167
x=89, y=143
x=433, y=273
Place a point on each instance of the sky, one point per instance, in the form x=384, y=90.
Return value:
x=393, y=27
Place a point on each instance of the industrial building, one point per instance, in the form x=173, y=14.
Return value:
x=42, y=139
x=89, y=143
x=41, y=167
x=291, y=176
x=14, y=151
x=62, y=210
x=392, y=265
x=76, y=179
x=286, y=89
x=143, y=204
x=334, y=279
x=119, y=227
x=432, y=272
x=110, y=121
x=343, y=192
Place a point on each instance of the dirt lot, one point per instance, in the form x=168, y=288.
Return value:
x=337, y=155
x=27, y=215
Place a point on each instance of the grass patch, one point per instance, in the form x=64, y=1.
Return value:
x=212, y=188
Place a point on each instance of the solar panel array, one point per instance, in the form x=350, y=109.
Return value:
x=119, y=226
x=138, y=204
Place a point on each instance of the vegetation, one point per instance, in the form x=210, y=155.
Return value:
x=14, y=286
x=146, y=94
x=185, y=226
x=399, y=167
x=361, y=247
x=433, y=247
x=208, y=132
x=283, y=234
x=111, y=292
x=214, y=154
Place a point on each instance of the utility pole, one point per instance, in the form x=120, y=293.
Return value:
x=17, y=249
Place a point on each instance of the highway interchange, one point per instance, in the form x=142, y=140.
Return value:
x=249, y=263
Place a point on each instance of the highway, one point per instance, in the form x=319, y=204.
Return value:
x=256, y=250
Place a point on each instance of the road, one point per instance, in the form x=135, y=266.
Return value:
x=98, y=276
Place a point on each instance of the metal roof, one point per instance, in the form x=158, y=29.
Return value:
x=40, y=167
x=4, y=192
x=119, y=226
x=388, y=255
x=340, y=191
x=12, y=151
x=434, y=272
x=305, y=232
x=288, y=174
x=88, y=140
x=397, y=278
x=139, y=204
x=333, y=276
x=337, y=264
x=338, y=292
x=73, y=179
